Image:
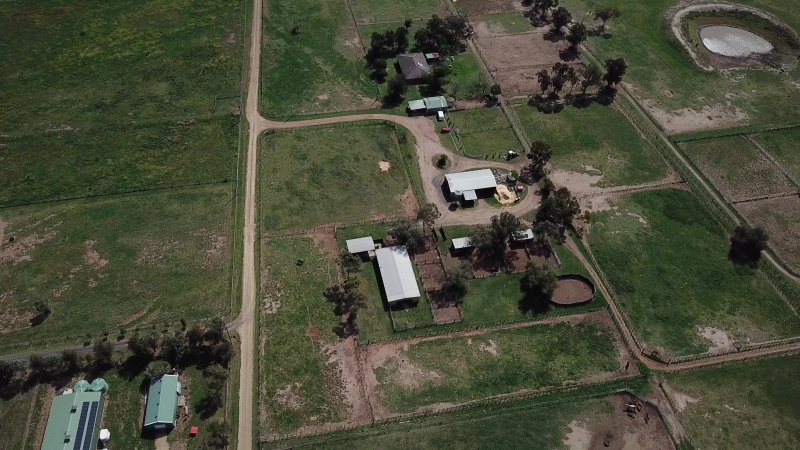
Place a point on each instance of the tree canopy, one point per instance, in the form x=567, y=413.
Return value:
x=538, y=286
x=615, y=69
x=445, y=36
x=605, y=14
x=747, y=243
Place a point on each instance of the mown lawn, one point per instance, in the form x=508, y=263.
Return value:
x=297, y=385
x=737, y=168
x=754, y=404
x=666, y=258
x=663, y=73
x=485, y=132
x=324, y=175
x=461, y=369
x=596, y=140
x=113, y=263
x=320, y=67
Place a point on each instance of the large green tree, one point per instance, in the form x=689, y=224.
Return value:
x=537, y=286
x=747, y=243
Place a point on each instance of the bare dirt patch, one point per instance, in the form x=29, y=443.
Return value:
x=719, y=339
x=325, y=240
x=272, y=294
x=446, y=314
x=489, y=347
x=577, y=182
x=216, y=251
x=679, y=399
x=20, y=250
x=288, y=397
x=515, y=59
x=480, y=7
x=643, y=429
x=409, y=202
x=92, y=257
x=689, y=120
x=579, y=437
x=384, y=166
x=344, y=356
x=504, y=196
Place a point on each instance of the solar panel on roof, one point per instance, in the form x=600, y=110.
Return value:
x=81, y=426
x=89, y=436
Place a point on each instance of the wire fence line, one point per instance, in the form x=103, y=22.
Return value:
x=430, y=330
x=571, y=392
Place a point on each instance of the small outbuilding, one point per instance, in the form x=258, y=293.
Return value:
x=161, y=412
x=361, y=246
x=428, y=105
x=397, y=274
x=413, y=66
x=432, y=57
x=462, y=246
x=466, y=186
x=523, y=235
x=74, y=421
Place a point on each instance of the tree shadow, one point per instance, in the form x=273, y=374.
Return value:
x=553, y=36
x=533, y=304
x=568, y=54
x=546, y=105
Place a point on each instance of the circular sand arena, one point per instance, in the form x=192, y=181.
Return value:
x=733, y=42
x=573, y=290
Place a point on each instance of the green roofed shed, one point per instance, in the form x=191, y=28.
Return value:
x=74, y=421
x=162, y=403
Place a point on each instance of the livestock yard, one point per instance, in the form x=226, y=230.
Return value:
x=263, y=224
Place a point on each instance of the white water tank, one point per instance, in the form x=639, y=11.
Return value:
x=105, y=435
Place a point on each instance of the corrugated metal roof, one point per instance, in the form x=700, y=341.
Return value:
x=413, y=66
x=523, y=235
x=162, y=401
x=74, y=419
x=462, y=242
x=461, y=182
x=416, y=105
x=362, y=244
x=397, y=273
x=435, y=102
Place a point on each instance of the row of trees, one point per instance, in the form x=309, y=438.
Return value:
x=553, y=81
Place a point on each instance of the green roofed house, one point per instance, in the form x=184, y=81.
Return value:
x=74, y=421
x=162, y=403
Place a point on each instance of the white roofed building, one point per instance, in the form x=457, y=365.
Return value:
x=465, y=185
x=360, y=245
x=397, y=274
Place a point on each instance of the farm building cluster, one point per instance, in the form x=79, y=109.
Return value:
x=396, y=273
x=76, y=415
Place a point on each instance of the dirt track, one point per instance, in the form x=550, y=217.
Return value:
x=428, y=145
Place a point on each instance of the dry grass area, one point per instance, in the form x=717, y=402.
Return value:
x=480, y=7
x=515, y=59
x=781, y=218
x=737, y=168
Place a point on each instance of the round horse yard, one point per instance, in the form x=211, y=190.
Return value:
x=573, y=289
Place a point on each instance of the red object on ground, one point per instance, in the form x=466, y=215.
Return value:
x=445, y=130
x=193, y=431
